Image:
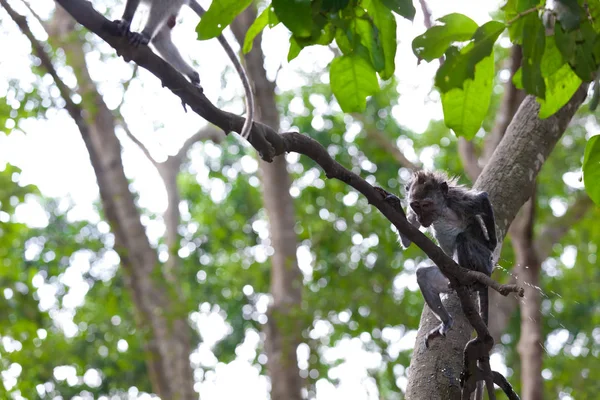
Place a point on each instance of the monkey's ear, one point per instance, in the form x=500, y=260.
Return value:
x=444, y=187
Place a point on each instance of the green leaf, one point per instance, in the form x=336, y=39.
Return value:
x=591, y=168
x=534, y=40
x=404, y=8
x=465, y=109
x=218, y=16
x=296, y=15
x=342, y=41
x=460, y=65
x=594, y=10
x=257, y=26
x=333, y=6
x=294, y=50
x=512, y=9
x=565, y=42
x=434, y=42
x=518, y=79
x=568, y=13
x=369, y=38
x=552, y=60
x=560, y=87
x=352, y=80
x=595, y=100
x=384, y=21
x=587, y=44
x=324, y=38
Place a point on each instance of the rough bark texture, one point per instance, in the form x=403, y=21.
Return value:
x=167, y=344
x=283, y=334
x=508, y=178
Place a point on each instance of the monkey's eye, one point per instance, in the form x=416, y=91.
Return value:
x=426, y=205
x=415, y=205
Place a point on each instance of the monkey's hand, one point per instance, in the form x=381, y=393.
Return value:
x=123, y=27
x=441, y=330
x=391, y=199
x=135, y=39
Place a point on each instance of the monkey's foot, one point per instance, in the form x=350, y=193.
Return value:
x=195, y=79
x=441, y=330
x=135, y=39
x=122, y=27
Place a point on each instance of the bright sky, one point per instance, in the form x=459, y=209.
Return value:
x=52, y=156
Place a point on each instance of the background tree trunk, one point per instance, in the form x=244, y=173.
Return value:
x=283, y=330
x=528, y=271
x=159, y=317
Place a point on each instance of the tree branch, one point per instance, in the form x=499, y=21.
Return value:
x=264, y=139
x=209, y=132
x=387, y=145
x=139, y=144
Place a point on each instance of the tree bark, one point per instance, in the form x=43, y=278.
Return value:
x=508, y=178
x=167, y=341
x=283, y=331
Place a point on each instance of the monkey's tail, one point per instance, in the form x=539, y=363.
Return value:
x=245, y=133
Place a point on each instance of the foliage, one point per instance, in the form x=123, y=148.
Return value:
x=358, y=284
x=364, y=31
x=560, y=42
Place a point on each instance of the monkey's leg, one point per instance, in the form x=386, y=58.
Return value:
x=124, y=23
x=165, y=46
x=432, y=283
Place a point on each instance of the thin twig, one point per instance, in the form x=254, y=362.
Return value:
x=524, y=13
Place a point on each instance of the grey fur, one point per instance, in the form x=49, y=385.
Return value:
x=158, y=31
x=462, y=222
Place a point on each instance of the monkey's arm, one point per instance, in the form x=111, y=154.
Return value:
x=394, y=201
x=487, y=213
x=414, y=221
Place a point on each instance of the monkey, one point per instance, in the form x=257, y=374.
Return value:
x=462, y=221
x=161, y=20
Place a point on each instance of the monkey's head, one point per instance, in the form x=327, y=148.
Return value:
x=426, y=193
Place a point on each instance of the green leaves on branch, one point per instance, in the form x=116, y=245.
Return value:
x=434, y=43
x=352, y=80
x=466, y=107
x=591, y=168
x=218, y=16
x=267, y=17
x=466, y=76
x=361, y=28
x=534, y=41
x=460, y=65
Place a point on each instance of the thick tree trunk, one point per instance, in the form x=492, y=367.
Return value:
x=167, y=340
x=508, y=178
x=283, y=332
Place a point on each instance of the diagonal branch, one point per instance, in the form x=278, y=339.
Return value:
x=207, y=133
x=137, y=142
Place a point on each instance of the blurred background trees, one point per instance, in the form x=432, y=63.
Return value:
x=157, y=256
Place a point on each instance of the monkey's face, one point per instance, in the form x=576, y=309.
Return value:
x=426, y=194
x=425, y=210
